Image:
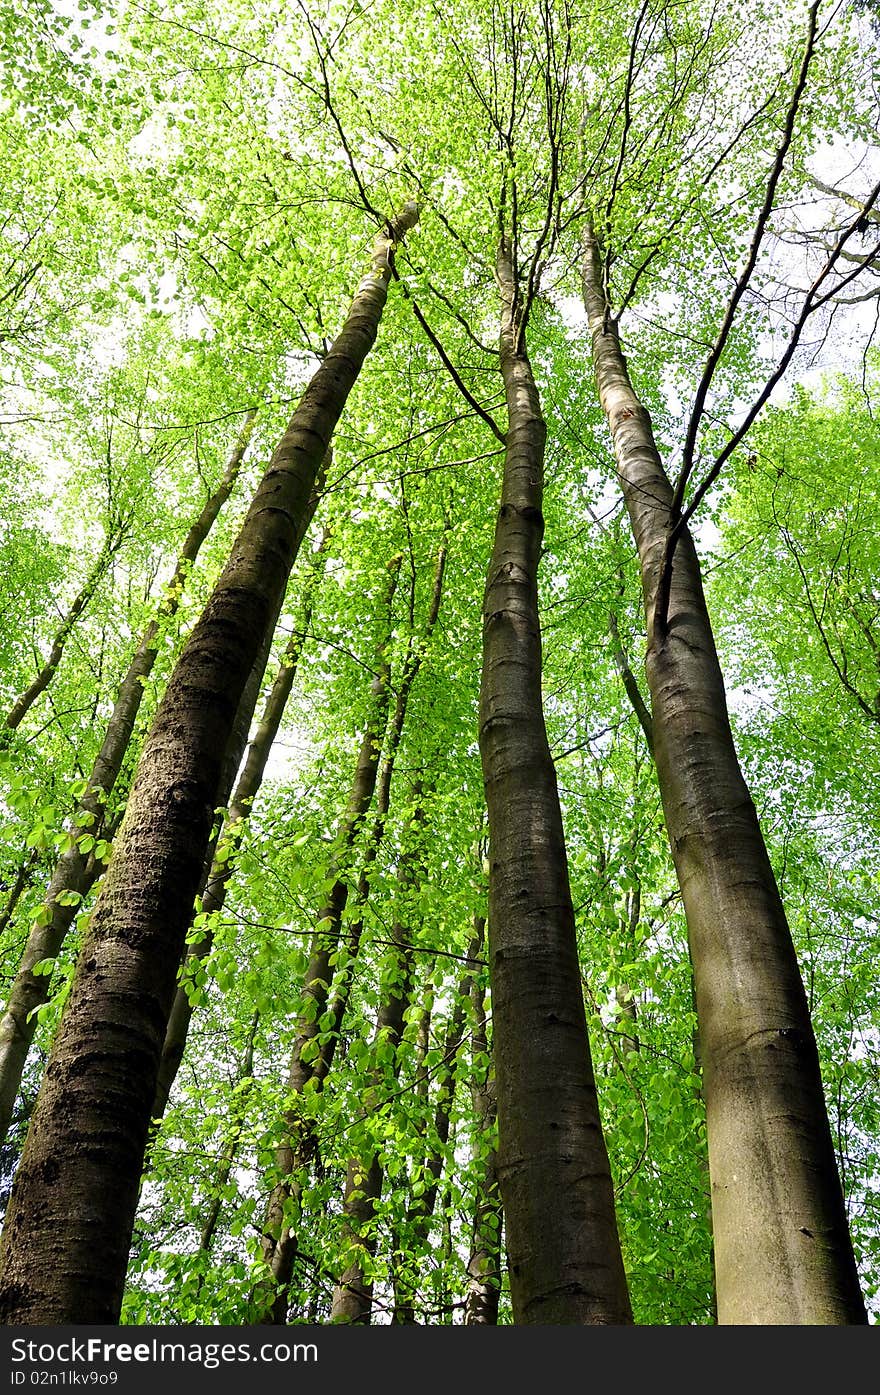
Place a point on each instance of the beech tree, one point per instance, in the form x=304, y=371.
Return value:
x=323, y=1048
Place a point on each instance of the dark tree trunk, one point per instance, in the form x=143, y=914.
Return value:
x=68, y=1227
x=783, y=1253
x=564, y=1253
x=76, y=870
x=246, y=790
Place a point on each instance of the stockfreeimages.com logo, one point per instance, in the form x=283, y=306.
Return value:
x=91, y=1351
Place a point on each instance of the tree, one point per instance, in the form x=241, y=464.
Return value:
x=159, y=856
x=216, y=216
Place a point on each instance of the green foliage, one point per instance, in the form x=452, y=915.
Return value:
x=189, y=201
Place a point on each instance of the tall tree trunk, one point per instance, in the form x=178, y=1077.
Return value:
x=246, y=790
x=783, y=1253
x=353, y=1294
x=77, y=869
x=484, y=1261
x=564, y=1252
x=280, y=1238
x=68, y=1227
x=22, y=705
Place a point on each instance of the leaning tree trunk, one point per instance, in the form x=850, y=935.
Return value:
x=564, y=1252
x=78, y=868
x=246, y=790
x=68, y=1226
x=783, y=1253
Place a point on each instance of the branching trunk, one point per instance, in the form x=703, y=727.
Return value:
x=68, y=1227
x=564, y=1259
x=782, y=1247
x=77, y=869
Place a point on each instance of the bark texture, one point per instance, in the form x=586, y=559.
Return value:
x=564, y=1254
x=76, y=871
x=68, y=1226
x=246, y=790
x=783, y=1253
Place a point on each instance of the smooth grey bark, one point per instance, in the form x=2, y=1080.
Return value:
x=783, y=1253
x=68, y=1227
x=76, y=870
x=564, y=1254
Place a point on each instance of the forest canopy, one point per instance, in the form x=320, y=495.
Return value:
x=440, y=669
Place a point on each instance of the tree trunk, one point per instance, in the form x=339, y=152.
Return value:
x=783, y=1253
x=484, y=1261
x=280, y=1238
x=246, y=790
x=23, y=877
x=68, y=1227
x=420, y=1213
x=564, y=1259
x=76, y=871
x=353, y=1294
